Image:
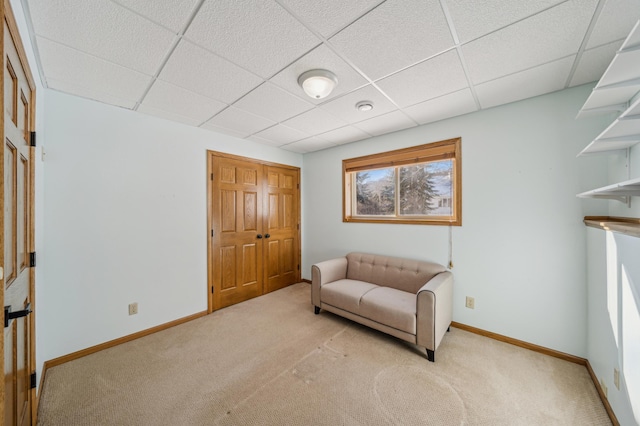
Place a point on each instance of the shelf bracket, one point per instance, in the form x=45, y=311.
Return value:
x=628, y=166
x=626, y=199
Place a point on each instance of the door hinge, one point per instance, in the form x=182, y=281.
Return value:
x=298, y=186
x=298, y=227
x=212, y=232
x=33, y=380
x=298, y=267
x=32, y=139
x=32, y=259
x=212, y=288
x=211, y=176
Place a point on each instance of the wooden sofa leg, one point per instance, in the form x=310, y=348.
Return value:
x=431, y=355
x=316, y=310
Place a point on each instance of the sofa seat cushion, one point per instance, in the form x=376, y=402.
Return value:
x=395, y=308
x=345, y=294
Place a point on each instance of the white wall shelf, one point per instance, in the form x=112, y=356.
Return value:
x=617, y=90
x=623, y=133
x=620, y=82
x=618, y=191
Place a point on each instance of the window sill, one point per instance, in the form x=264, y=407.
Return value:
x=403, y=221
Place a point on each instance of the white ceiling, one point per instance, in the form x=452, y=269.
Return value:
x=231, y=66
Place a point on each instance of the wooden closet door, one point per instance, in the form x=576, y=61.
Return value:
x=236, y=264
x=254, y=225
x=282, y=252
x=17, y=230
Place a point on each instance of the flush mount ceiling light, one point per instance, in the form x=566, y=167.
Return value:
x=364, y=106
x=317, y=84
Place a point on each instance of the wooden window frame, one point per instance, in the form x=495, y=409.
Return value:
x=446, y=149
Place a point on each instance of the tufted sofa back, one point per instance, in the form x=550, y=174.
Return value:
x=402, y=274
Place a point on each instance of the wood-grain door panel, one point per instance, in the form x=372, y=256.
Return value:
x=17, y=238
x=282, y=258
x=254, y=220
x=237, y=204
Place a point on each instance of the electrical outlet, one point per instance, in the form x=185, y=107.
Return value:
x=604, y=388
x=616, y=378
x=133, y=308
x=470, y=302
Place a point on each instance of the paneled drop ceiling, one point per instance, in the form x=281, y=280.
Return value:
x=231, y=66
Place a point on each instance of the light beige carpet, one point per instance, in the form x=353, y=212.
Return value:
x=271, y=361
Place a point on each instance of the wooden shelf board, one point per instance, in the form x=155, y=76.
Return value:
x=622, y=225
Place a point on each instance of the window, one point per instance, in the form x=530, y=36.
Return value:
x=418, y=185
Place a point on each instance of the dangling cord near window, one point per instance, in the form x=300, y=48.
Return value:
x=450, y=246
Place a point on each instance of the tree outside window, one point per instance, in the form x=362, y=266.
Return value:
x=414, y=185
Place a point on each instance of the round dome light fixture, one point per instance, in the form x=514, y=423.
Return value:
x=364, y=106
x=317, y=84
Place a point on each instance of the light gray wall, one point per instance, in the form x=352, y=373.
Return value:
x=613, y=340
x=521, y=249
x=126, y=221
x=613, y=272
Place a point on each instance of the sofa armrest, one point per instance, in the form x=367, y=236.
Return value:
x=326, y=272
x=434, y=310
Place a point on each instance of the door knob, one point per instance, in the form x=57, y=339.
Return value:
x=259, y=236
x=267, y=235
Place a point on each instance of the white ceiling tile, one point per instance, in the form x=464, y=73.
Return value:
x=594, y=62
x=89, y=75
x=427, y=80
x=387, y=123
x=344, y=135
x=345, y=106
x=156, y=112
x=255, y=34
x=224, y=131
x=242, y=122
x=108, y=50
x=533, y=82
x=308, y=145
x=545, y=37
x=176, y=100
x=273, y=103
x=615, y=21
x=319, y=58
x=396, y=34
x=282, y=134
x=447, y=106
x=329, y=16
x=263, y=141
x=104, y=29
x=90, y=93
x=315, y=121
x=473, y=18
x=201, y=71
x=172, y=14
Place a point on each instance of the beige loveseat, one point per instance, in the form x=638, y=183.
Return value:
x=408, y=299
